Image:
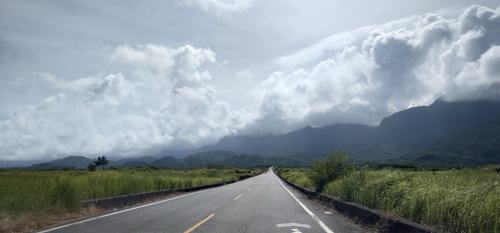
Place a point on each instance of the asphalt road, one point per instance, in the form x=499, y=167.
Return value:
x=259, y=204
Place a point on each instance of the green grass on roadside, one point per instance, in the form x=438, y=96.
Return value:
x=44, y=193
x=297, y=176
x=455, y=200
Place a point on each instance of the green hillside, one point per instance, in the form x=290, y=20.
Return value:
x=469, y=147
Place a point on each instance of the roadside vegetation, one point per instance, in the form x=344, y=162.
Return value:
x=30, y=199
x=464, y=200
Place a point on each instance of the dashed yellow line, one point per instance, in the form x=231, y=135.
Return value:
x=199, y=223
x=236, y=198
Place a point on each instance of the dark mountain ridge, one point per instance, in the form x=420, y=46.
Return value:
x=418, y=127
x=468, y=147
x=403, y=132
x=307, y=140
x=79, y=162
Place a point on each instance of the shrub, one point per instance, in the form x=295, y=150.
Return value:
x=328, y=169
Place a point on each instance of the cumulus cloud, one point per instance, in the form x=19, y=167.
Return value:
x=113, y=90
x=165, y=103
x=164, y=67
x=384, y=69
x=190, y=112
x=36, y=131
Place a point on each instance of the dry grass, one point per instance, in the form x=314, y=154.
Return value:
x=28, y=222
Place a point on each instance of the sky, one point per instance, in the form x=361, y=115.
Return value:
x=126, y=78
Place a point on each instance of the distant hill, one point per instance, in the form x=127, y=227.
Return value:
x=143, y=159
x=79, y=162
x=245, y=160
x=209, y=157
x=468, y=147
x=134, y=163
x=19, y=163
x=416, y=128
x=308, y=140
x=376, y=153
x=166, y=161
x=228, y=159
x=404, y=132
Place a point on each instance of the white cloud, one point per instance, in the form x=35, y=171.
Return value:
x=221, y=7
x=82, y=84
x=190, y=113
x=52, y=102
x=324, y=48
x=335, y=43
x=37, y=131
x=413, y=63
x=163, y=67
x=167, y=103
x=112, y=90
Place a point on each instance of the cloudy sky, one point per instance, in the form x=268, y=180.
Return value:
x=125, y=78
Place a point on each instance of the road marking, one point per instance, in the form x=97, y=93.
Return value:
x=249, y=189
x=122, y=211
x=236, y=198
x=199, y=223
x=292, y=224
x=321, y=224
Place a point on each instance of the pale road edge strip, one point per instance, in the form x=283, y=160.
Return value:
x=199, y=223
x=321, y=224
x=126, y=210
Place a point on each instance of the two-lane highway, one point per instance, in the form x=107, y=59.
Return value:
x=259, y=204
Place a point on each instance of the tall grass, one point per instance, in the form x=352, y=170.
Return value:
x=38, y=190
x=297, y=176
x=45, y=193
x=455, y=200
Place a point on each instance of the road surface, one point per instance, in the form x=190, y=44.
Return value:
x=259, y=204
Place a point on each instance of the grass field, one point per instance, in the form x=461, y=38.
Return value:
x=465, y=200
x=29, y=199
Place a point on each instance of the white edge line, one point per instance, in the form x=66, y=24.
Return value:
x=321, y=224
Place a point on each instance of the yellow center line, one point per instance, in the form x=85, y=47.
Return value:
x=199, y=223
x=236, y=198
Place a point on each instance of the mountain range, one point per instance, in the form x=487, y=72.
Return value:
x=430, y=135
x=404, y=132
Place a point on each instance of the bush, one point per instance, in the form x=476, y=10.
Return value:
x=328, y=169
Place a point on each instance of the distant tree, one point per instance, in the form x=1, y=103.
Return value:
x=100, y=162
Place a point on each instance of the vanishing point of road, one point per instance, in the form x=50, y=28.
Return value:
x=259, y=204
